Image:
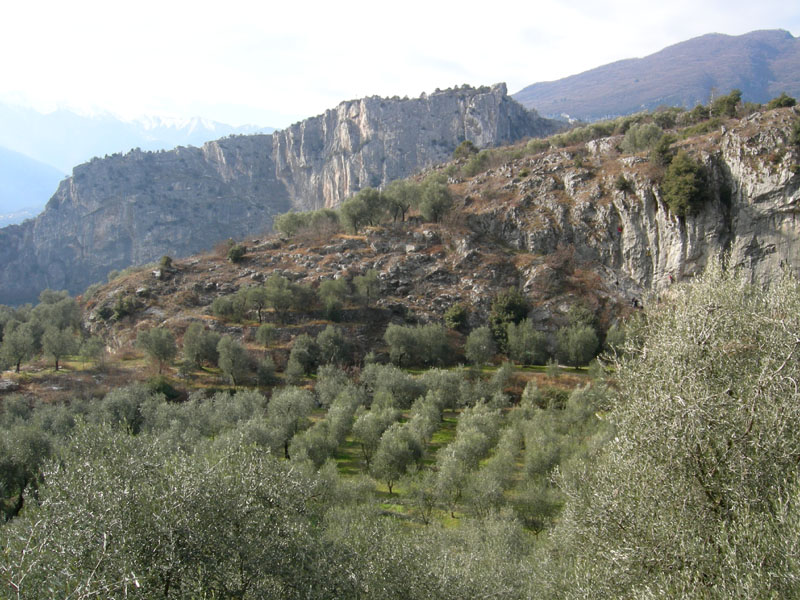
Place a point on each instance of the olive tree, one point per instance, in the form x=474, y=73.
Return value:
x=696, y=495
x=159, y=344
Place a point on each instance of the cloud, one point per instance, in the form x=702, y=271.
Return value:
x=291, y=60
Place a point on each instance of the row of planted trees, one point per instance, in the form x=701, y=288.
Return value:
x=680, y=481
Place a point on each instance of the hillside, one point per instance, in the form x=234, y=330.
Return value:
x=762, y=64
x=288, y=416
x=133, y=208
x=555, y=224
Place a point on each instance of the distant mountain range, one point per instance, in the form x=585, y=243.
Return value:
x=762, y=64
x=37, y=150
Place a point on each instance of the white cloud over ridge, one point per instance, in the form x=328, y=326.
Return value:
x=273, y=64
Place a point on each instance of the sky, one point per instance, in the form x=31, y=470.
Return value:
x=275, y=63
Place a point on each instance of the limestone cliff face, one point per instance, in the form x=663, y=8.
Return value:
x=133, y=208
x=630, y=237
x=369, y=142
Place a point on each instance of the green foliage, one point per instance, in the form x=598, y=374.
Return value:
x=367, y=286
x=159, y=344
x=641, y=137
x=725, y=106
x=480, y=347
x=93, y=348
x=287, y=413
x=794, y=138
x=236, y=253
x=280, y=295
x=477, y=163
x=435, y=201
x=233, y=359
x=334, y=347
x=164, y=524
x=58, y=343
x=305, y=352
x=332, y=294
x=315, y=222
x=622, y=184
x=424, y=345
x=510, y=306
x=694, y=496
x=577, y=344
x=200, y=345
x=266, y=334
x=401, y=196
x=782, y=101
x=397, y=450
x=465, y=149
x=392, y=382
x=684, y=185
x=18, y=343
x=662, y=152
x=362, y=209
x=535, y=146
x=124, y=305
x=526, y=345
x=455, y=317
x=165, y=262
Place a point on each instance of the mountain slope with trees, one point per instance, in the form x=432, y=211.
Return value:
x=288, y=416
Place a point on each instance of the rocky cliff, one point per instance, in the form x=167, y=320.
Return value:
x=567, y=201
x=555, y=224
x=134, y=208
x=372, y=141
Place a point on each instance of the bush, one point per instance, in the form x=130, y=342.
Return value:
x=684, y=185
x=641, y=137
x=782, y=101
x=456, y=317
x=464, y=150
x=725, y=106
x=236, y=253
x=623, y=184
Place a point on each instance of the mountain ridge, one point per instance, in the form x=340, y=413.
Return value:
x=762, y=64
x=133, y=208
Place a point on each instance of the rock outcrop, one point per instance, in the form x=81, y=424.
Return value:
x=131, y=209
x=372, y=141
x=752, y=216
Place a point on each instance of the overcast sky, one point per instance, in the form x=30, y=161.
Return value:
x=272, y=64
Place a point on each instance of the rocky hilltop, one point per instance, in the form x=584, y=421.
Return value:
x=133, y=208
x=555, y=224
x=372, y=141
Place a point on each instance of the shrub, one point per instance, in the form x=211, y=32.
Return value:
x=684, y=185
x=465, y=149
x=456, y=317
x=623, y=184
x=236, y=253
x=782, y=101
x=725, y=106
x=641, y=137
